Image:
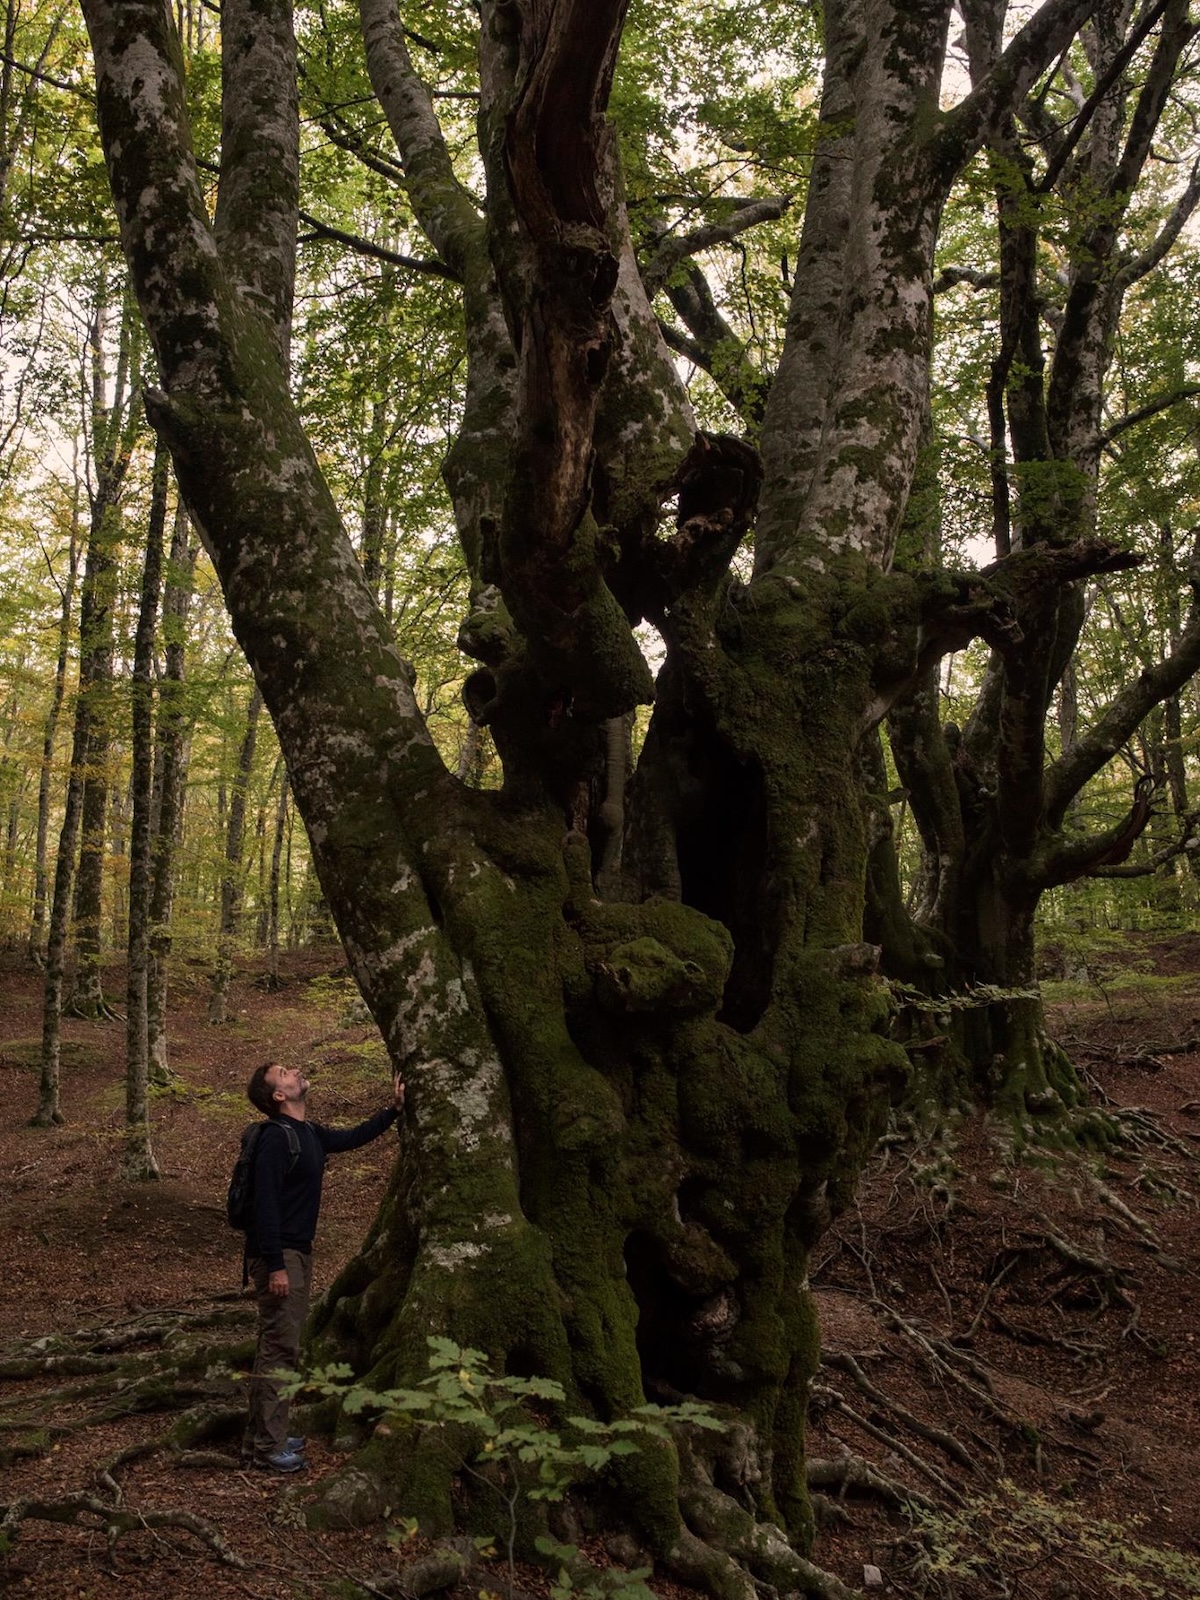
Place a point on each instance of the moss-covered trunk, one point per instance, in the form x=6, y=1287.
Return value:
x=693, y=1080
x=630, y=1113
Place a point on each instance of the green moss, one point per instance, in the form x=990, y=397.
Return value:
x=647, y=1482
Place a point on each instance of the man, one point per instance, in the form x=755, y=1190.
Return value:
x=289, y=1163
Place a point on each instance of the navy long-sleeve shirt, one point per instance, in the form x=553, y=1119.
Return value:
x=286, y=1204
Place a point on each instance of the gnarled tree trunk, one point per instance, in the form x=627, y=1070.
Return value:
x=631, y=1110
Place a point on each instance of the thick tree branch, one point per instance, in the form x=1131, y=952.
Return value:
x=672, y=248
x=442, y=206
x=715, y=346
x=559, y=276
x=259, y=187
x=1060, y=860
x=365, y=247
x=950, y=278
x=923, y=754
x=1188, y=843
x=1152, y=408
x=690, y=349
x=1067, y=776
x=1045, y=36
x=1062, y=153
x=1177, y=33
x=1140, y=266
x=558, y=139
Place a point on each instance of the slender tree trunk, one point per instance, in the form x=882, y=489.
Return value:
x=94, y=710
x=170, y=785
x=45, y=776
x=49, y=1110
x=12, y=784
x=114, y=422
x=232, y=882
x=272, y=939
x=139, y=1163
x=112, y=444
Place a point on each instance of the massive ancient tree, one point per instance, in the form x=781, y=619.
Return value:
x=643, y=1033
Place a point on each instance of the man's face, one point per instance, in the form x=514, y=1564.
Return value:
x=287, y=1083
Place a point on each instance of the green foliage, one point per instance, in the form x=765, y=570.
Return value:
x=521, y=1454
x=979, y=994
x=1014, y=1530
x=613, y=1583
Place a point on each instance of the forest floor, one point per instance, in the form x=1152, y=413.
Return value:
x=1013, y=1346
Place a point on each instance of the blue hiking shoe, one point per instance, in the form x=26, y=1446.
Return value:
x=282, y=1461
x=296, y=1445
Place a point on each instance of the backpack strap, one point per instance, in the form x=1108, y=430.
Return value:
x=293, y=1139
x=251, y=1137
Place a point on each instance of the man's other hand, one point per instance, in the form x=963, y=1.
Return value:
x=398, y=1087
x=278, y=1284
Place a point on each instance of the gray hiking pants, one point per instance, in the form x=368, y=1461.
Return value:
x=280, y=1321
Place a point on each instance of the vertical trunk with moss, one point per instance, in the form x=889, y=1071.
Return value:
x=138, y=1162
x=114, y=423
x=170, y=782
x=233, y=878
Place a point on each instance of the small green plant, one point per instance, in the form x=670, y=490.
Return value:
x=522, y=1456
x=1013, y=1530
x=612, y=1584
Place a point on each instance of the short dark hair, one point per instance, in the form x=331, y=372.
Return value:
x=260, y=1093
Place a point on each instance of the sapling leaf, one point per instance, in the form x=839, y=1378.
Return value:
x=443, y=1349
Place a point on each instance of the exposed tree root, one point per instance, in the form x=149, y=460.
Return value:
x=944, y=1441
x=1078, y=1350
x=758, y=1549
x=113, y=1519
x=65, y=1366
x=1109, y=1276
x=834, y=1401
x=86, y=1009
x=1146, y=1056
x=89, y=1348
x=852, y=1472
x=444, y=1567
x=1138, y=1225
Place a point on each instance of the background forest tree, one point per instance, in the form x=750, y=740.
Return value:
x=845, y=375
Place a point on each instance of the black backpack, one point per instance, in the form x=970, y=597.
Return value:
x=239, y=1202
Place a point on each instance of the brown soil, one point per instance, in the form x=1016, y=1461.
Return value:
x=1040, y=1319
